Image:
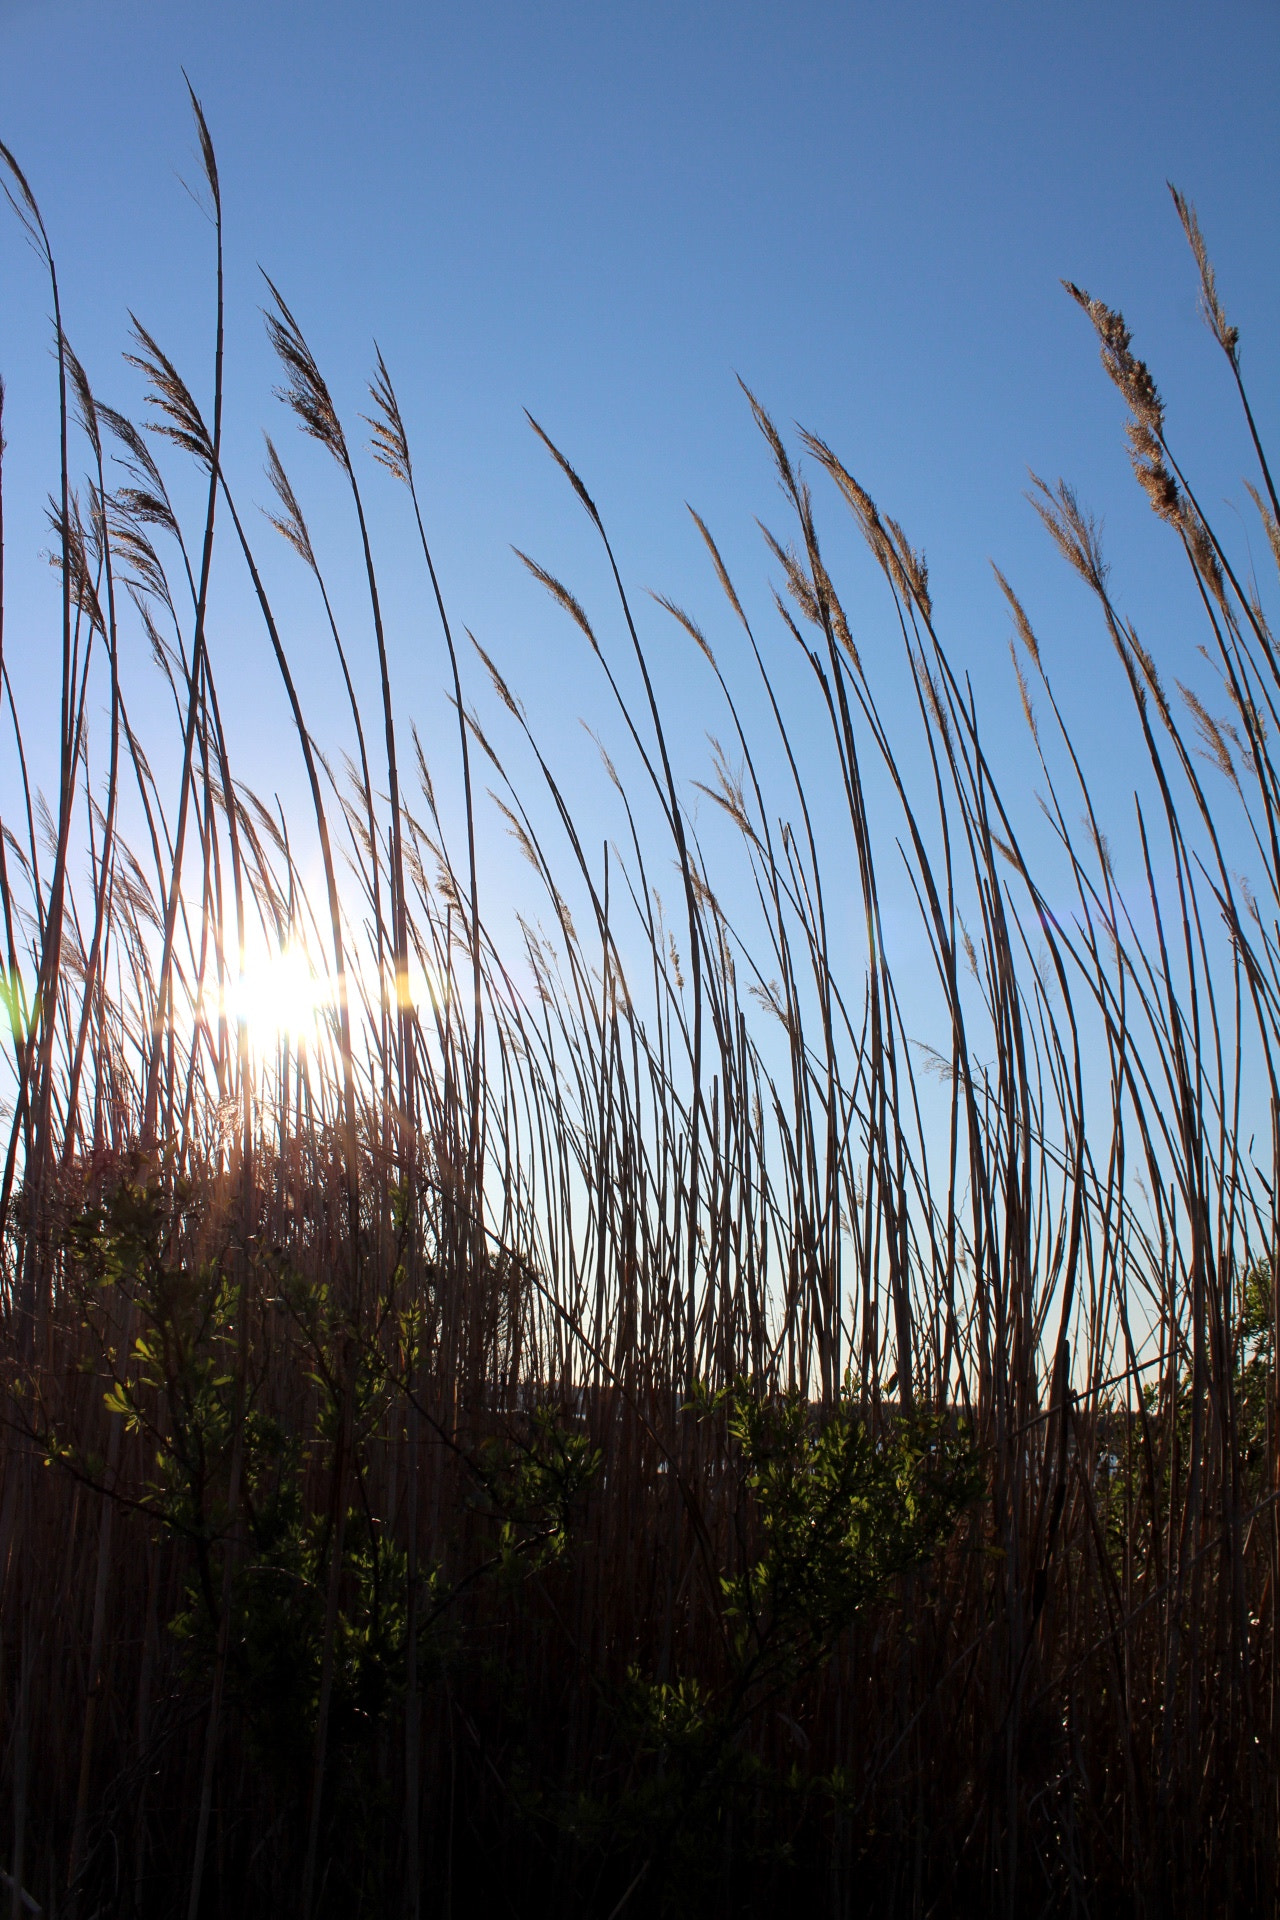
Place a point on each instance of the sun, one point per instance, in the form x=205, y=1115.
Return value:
x=279, y=995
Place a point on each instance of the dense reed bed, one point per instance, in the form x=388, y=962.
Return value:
x=593, y=1425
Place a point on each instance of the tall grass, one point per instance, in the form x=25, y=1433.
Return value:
x=594, y=1429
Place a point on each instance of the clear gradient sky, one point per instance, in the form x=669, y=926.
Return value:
x=604, y=212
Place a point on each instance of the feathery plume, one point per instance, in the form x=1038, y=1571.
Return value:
x=305, y=390
x=1227, y=336
x=559, y=593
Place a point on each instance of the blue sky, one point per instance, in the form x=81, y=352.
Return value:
x=604, y=213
